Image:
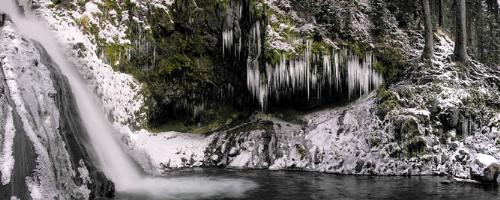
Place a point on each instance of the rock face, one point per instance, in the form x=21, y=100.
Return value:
x=435, y=122
x=43, y=143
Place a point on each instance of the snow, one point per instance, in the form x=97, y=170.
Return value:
x=241, y=160
x=486, y=160
x=170, y=149
x=36, y=191
x=22, y=92
x=277, y=42
x=91, y=8
x=119, y=92
x=416, y=111
x=6, y=155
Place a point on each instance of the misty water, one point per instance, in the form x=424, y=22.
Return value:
x=282, y=185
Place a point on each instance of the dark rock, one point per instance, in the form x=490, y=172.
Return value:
x=449, y=118
x=2, y=19
x=359, y=166
x=489, y=174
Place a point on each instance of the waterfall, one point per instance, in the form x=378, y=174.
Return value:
x=113, y=160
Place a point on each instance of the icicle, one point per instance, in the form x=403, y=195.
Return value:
x=154, y=56
x=337, y=71
x=360, y=75
x=327, y=70
x=227, y=40
x=307, y=73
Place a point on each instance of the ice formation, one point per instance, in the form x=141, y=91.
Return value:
x=306, y=72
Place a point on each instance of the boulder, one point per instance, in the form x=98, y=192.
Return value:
x=486, y=169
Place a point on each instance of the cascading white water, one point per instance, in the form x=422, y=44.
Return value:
x=115, y=163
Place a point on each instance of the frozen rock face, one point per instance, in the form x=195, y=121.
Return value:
x=288, y=58
x=119, y=92
x=42, y=141
x=433, y=122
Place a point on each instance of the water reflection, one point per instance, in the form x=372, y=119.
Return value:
x=282, y=185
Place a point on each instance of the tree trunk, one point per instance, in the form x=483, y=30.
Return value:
x=480, y=24
x=428, y=49
x=460, y=52
x=441, y=13
x=469, y=20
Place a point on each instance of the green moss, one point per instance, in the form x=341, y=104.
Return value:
x=387, y=101
x=357, y=48
x=212, y=120
x=258, y=9
x=475, y=99
x=415, y=147
x=301, y=151
x=405, y=128
x=273, y=56
x=114, y=53
x=389, y=62
x=292, y=37
x=320, y=47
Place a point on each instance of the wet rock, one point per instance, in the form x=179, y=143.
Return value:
x=359, y=165
x=485, y=169
x=489, y=174
x=405, y=127
x=449, y=117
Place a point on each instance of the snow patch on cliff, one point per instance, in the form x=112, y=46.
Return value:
x=119, y=92
x=6, y=154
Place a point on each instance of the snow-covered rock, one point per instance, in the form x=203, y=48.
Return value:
x=485, y=169
x=40, y=136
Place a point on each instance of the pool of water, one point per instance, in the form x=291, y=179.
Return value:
x=282, y=185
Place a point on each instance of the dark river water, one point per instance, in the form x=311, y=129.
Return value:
x=308, y=185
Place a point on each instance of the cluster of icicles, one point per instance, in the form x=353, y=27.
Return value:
x=311, y=73
x=307, y=73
